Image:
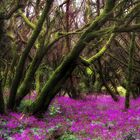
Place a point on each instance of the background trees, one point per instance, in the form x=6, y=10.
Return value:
x=69, y=45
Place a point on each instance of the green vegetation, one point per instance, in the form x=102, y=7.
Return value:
x=50, y=48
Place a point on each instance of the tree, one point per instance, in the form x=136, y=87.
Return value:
x=130, y=65
x=38, y=31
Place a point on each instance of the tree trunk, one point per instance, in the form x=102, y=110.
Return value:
x=114, y=97
x=20, y=66
x=2, y=105
x=54, y=83
x=38, y=81
x=42, y=103
x=130, y=68
x=26, y=84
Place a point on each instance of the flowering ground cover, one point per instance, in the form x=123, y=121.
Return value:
x=89, y=119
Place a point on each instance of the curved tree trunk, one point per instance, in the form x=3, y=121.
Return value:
x=26, y=84
x=54, y=83
x=20, y=66
x=41, y=105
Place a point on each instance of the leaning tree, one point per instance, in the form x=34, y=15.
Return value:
x=79, y=33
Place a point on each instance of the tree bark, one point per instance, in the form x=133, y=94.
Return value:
x=2, y=104
x=20, y=66
x=26, y=84
x=130, y=68
x=41, y=105
x=47, y=94
x=114, y=97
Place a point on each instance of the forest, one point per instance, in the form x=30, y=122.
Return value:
x=69, y=69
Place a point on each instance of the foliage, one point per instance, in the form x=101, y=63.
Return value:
x=89, y=71
x=68, y=136
x=44, y=42
x=87, y=119
x=121, y=90
x=53, y=110
x=49, y=44
x=23, y=104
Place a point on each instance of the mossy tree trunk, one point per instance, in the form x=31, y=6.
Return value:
x=21, y=63
x=2, y=104
x=13, y=64
x=130, y=68
x=53, y=84
x=38, y=81
x=26, y=83
x=114, y=97
x=52, y=91
x=72, y=91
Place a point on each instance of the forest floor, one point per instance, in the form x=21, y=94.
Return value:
x=89, y=119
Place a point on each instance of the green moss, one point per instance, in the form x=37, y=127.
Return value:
x=20, y=66
x=89, y=71
x=121, y=90
x=60, y=75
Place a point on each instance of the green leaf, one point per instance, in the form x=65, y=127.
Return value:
x=89, y=71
